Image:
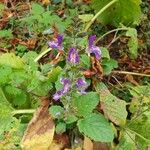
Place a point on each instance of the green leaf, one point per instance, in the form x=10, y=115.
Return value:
x=109, y=105
x=10, y=59
x=105, y=53
x=60, y=128
x=85, y=60
x=56, y=111
x=85, y=104
x=71, y=119
x=141, y=128
x=53, y=75
x=133, y=42
x=96, y=127
x=37, y=9
x=6, y=34
x=126, y=141
x=126, y=12
x=86, y=17
x=109, y=65
x=5, y=113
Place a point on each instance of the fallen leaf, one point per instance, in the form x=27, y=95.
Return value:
x=40, y=131
x=88, y=144
x=60, y=142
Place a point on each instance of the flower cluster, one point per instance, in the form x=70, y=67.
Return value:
x=73, y=58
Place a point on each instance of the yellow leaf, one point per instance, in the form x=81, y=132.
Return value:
x=40, y=131
x=88, y=144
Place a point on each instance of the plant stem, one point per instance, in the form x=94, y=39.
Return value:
x=132, y=73
x=42, y=54
x=138, y=134
x=111, y=31
x=99, y=13
x=23, y=111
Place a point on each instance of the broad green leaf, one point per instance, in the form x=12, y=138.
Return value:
x=37, y=9
x=86, y=17
x=53, y=75
x=105, y=52
x=9, y=59
x=113, y=107
x=133, y=42
x=96, y=127
x=85, y=104
x=126, y=141
x=5, y=113
x=56, y=111
x=60, y=128
x=123, y=11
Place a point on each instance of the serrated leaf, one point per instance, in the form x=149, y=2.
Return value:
x=10, y=59
x=123, y=11
x=60, y=128
x=37, y=9
x=96, y=127
x=86, y=103
x=56, y=111
x=113, y=107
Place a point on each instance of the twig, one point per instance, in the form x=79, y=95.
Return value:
x=111, y=31
x=99, y=13
x=132, y=73
x=42, y=54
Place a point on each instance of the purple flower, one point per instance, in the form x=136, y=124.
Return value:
x=57, y=43
x=66, y=85
x=94, y=49
x=81, y=85
x=73, y=56
x=66, y=88
x=57, y=95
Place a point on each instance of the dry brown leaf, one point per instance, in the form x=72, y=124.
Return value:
x=60, y=142
x=88, y=144
x=40, y=131
x=100, y=146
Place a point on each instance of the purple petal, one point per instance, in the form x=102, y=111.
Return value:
x=57, y=44
x=57, y=95
x=81, y=85
x=59, y=39
x=73, y=56
x=96, y=50
x=66, y=85
x=92, y=38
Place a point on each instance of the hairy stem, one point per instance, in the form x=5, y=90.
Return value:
x=23, y=111
x=42, y=54
x=99, y=13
